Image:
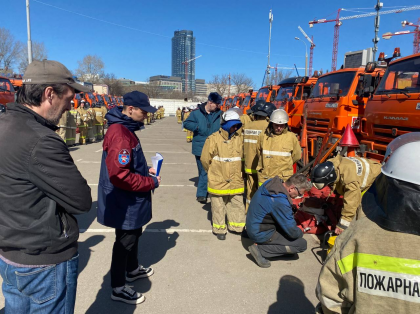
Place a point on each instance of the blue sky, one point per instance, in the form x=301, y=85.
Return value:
x=231, y=36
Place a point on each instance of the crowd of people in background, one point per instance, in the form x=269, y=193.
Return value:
x=373, y=266
x=90, y=123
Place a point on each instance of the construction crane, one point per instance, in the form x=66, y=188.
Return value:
x=416, y=32
x=186, y=63
x=311, y=54
x=338, y=22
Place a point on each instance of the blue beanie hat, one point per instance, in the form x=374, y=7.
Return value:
x=215, y=98
x=228, y=124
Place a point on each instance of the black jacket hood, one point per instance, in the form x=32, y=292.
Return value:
x=393, y=205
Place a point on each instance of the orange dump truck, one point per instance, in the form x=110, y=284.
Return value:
x=394, y=108
x=291, y=97
x=90, y=98
x=337, y=99
x=16, y=81
x=77, y=100
x=267, y=93
x=238, y=100
x=7, y=92
x=249, y=101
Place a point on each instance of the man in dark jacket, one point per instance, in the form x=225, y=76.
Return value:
x=125, y=193
x=270, y=222
x=203, y=122
x=40, y=191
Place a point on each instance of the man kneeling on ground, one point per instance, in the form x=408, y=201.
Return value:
x=270, y=222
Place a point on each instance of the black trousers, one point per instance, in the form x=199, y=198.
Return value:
x=278, y=245
x=124, y=255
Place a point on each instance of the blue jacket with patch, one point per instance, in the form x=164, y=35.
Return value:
x=203, y=124
x=124, y=189
x=269, y=211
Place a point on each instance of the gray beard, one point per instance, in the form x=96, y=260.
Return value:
x=54, y=116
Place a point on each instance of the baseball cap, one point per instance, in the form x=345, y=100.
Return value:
x=51, y=72
x=139, y=100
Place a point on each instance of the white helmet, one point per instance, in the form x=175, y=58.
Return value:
x=237, y=110
x=404, y=157
x=72, y=101
x=192, y=107
x=279, y=116
x=230, y=114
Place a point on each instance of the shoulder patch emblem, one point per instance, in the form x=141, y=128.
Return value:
x=124, y=157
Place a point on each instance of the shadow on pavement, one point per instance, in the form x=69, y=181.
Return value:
x=85, y=250
x=155, y=241
x=291, y=297
x=195, y=180
x=153, y=245
x=85, y=220
x=72, y=149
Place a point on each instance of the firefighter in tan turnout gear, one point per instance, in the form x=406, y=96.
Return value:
x=278, y=149
x=222, y=159
x=374, y=266
x=91, y=124
x=72, y=125
x=189, y=133
x=350, y=177
x=100, y=121
x=84, y=118
x=62, y=124
x=178, y=115
x=261, y=112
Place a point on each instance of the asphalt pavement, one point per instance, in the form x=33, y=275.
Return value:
x=194, y=272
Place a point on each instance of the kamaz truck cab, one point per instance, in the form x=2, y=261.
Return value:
x=291, y=97
x=267, y=93
x=337, y=99
x=394, y=108
x=249, y=101
x=7, y=92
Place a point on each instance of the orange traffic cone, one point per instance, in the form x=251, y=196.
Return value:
x=350, y=141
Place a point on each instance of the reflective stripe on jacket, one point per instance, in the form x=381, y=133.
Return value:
x=222, y=159
x=371, y=270
x=276, y=155
x=252, y=132
x=354, y=176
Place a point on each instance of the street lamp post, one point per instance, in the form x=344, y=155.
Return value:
x=28, y=21
x=306, y=55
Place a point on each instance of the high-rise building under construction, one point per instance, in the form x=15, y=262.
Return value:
x=183, y=49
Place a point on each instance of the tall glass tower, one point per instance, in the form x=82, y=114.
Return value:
x=183, y=49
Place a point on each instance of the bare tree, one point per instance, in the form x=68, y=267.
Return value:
x=9, y=49
x=91, y=68
x=115, y=86
x=39, y=52
x=242, y=82
x=220, y=83
x=281, y=75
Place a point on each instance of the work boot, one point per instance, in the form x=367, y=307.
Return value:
x=221, y=236
x=202, y=199
x=256, y=254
